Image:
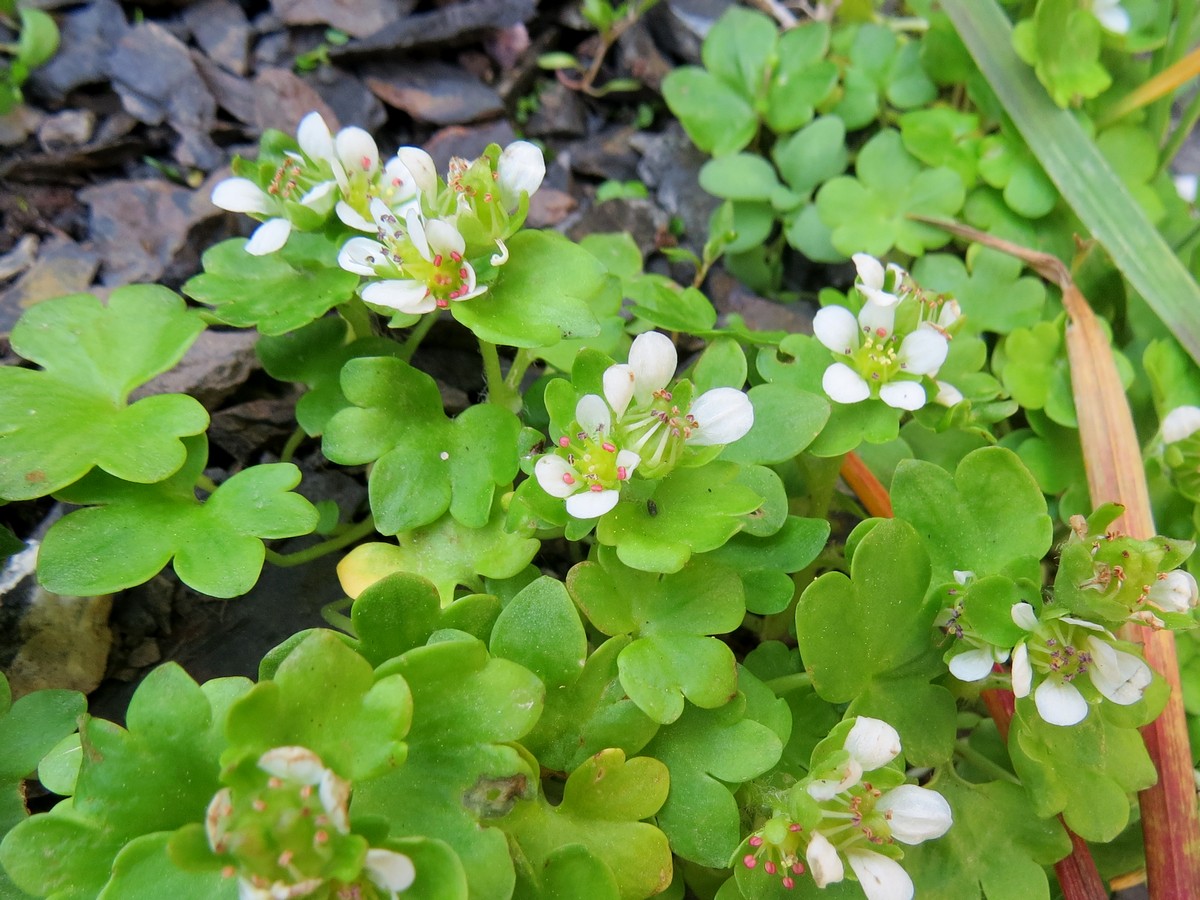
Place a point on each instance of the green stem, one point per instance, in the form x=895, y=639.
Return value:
x=347, y=537
x=498, y=392
x=785, y=684
x=413, y=341
x=969, y=754
x=821, y=476
x=334, y=615
x=1187, y=121
x=206, y=484
x=516, y=372
x=358, y=317
x=293, y=443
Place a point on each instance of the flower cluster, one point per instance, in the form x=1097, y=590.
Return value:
x=637, y=425
x=893, y=346
x=430, y=247
x=285, y=832
x=836, y=817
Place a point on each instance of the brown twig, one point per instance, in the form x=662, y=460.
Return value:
x=1115, y=473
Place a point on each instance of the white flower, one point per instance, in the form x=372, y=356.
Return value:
x=844, y=385
x=301, y=766
x=1022, y=671
x=1119, y=676
x=1111, y=15
x=244, y=196
x=1059, y=702
x=872, y=275
x=977, y=663
x=881, y=877
x=915, y=814
x=871, y=743
x=923, y=351
x=420, y=166
x=907, y=395
x=279, y=890
x=394, y=872
x=1180, y=423
x=718, y=416
x=1174, y=592
x=589, y=478
x=947, y=395
x=520, y=169
x=823, y=861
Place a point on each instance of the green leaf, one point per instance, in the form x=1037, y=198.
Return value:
x=1062, y=43
x=617, y=251
x=941, y=136
x=314, y=356
x=738, y=49
x=671, y=617
x=998, y=846
x=59, y=422
x=540, y=629
x=707, y=751
x=786, y=420
x=740, y=176
x=958, y=516
x=446, y=553
x=133, y=530
x=425, y=464
x=170, y=752
x=802, y=78
x=325, y=697
x=1005, y=162
x=603, y=802
x=663, y=303
x=765, y=563
x=462, y=772
x=1079, y=170
x=812, y=155
x=144, y=869
x=870, y=212
x=276, y=293
x=993, y=295
x=39, y=38
x=542, y=295
x=715, y=116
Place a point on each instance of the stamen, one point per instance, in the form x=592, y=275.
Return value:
x=610, y=447
x=749, y=861
x=456, y=256
x=596, y=488
x=437, y=260
x=564, y=441
x=622, y=473
x=568, y=478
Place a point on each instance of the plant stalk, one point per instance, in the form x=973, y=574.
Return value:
x=308, y=554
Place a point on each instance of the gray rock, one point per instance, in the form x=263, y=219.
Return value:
x=233, y=94
x=244, y=430
x=671, y=167
x=69, y=128
x=640, y=219
x=351, y=102
x=434, y=92
x=17, y=124
x=282, y=99
x=607, y=154
x=62, y=267
x=358, y=18
x=560, y=113
x=88, y=35
x=679, y=26
x=223, y=32
x=455, y=24
x=467, y=141
x=213, y=368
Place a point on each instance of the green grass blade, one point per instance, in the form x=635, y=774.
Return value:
x=1081, y=174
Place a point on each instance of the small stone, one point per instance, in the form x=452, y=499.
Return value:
x=347, y=97
x=64, y=643
x=87, y=36
x=19, y=258
x=607, y=154
x=62, y=267
x=214, y=367
x=17, y=124
x=467, y=141
x=358, y=18
x=434, y=92
x=282, y=99
x=243, y=431
x=457, y=23
x=640, y=219
x=234, y=95
x=680, y=26
x=69, y=128
x=223, y=32
x=559, y=113
x=671, y=167
x=638, y=55
x=549, y=207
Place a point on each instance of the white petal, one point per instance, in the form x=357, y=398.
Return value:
x=521, y=167
x=628, y=460
x=1180, y=423
x=593, y=415
x=357, y=150
x=836, y=328
x=1121, y=677
x=269, y=237
x=1084, y=623
x=1022, y=671
x=962, y=576
x=220, y=808
x=359, y=255
x=591, y=504
x=1059, y=702
x=1174, y=592
x=923, y=351
x=420, y=165
x=550, y=471
x=973, y=665
x=314, y=138
x=881, y=877
x=822, y=789
x=903, y=395
x=877, y=319
x=1023, y=616
x=917, y=814
x=653, y=360
x=335, y=798
x=390, y=870
x=844, y=385
x=382, y=215
x=872, y=743
x=870, y=270
x=399, y=183
x=352, y=218
x=403, y=295
x=443, y=237
x=723, y=415
x=1187, y=186
x=1112, y=16
x=948, y=395
x=950, y=313
x=415, y=224
x=618, y=387
x=317, y=194
x=242, y=195
x=298, y=764
x=823, y=861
